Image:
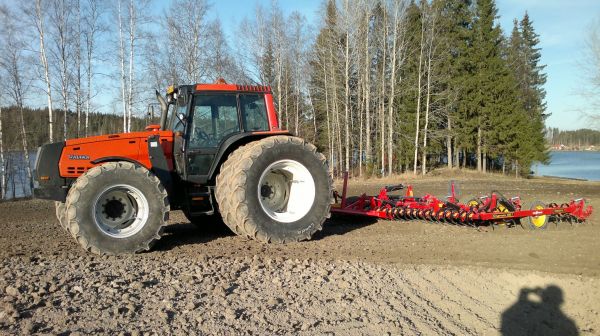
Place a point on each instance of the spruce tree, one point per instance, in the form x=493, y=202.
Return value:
x=490, y=69
x=407, y=101
x=532, y=81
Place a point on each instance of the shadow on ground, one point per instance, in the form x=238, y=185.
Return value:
x=537, y=312
x=213, y=228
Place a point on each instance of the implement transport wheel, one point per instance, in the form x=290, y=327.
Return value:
x=277, y=189
x=117, y=207
x=538, y=222
x=61, y=214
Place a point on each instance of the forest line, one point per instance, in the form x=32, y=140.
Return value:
x=380, y=86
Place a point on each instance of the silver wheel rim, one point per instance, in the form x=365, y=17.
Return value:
x=120, y=211
x=286, y=191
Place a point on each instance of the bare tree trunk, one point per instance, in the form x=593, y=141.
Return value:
x=449, y=142
x=26, y=149
x=360, y=128
x=329, y=138
x=428, y=95
x=367, y=95
x=90, y=35
x=2, y=172
x=393, y=89
x=286, y=86
x=314, y=116
x=39, y=20
x=479, y=148
x=336, y=113
x=279, y=93
x=297, y=107
x=425, y=128
x=484, y=161
x=456, y=154
x=132, y=26
x=347, y=95
x=78, y=95
x=382, y=93
x=62, y=29
x=122, y=59
x=419, y=89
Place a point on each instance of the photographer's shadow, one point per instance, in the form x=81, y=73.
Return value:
x=541, y=316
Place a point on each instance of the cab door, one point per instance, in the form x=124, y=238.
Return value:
x=214, y=118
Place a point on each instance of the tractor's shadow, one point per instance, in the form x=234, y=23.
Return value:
x=339, y=225
x=185, y=233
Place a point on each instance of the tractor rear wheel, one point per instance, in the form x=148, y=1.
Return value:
x=276, y=189
x=117, y=207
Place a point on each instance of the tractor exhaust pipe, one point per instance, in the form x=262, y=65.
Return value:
x=163, y=109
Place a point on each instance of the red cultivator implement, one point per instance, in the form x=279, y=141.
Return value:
x=487, y=210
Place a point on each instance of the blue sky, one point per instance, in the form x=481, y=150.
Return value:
x=561, y=25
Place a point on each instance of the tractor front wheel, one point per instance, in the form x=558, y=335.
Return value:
x=117, y=207
x=276, y=189
x=60, y=209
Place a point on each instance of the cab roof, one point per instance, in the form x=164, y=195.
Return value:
x=232, y=87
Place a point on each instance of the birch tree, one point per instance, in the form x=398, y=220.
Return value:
x=2, y=172
x=38, y=18
x=91, y=28
x=188, y=27
x=419, y=93
x=61, y=20
x=432, y=17
x=78, y=75
x=348, y=25
x=398, y=46
x=14, y=63
x=132, y=39
x=124, y=98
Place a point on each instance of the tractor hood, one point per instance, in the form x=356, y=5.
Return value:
x=119, y=136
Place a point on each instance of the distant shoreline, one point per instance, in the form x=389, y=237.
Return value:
x=573, y=150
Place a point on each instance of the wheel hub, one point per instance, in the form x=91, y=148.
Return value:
x=286, y=191
x=266, y=191
x=114, y=208
x=121, y=211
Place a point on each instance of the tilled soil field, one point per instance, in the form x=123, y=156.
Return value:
x=358, y=276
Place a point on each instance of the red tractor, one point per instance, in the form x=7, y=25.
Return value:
x=218, y=148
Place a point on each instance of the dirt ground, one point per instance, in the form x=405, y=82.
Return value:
x=358, y=276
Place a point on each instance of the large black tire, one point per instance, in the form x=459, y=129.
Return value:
x=237, y=190
x=89, y=221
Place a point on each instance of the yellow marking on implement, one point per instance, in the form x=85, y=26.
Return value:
x=538, y=221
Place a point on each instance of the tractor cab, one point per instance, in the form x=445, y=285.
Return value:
x=207, y=119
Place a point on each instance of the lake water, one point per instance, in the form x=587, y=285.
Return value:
x=580, y=165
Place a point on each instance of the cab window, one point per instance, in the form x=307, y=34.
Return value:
x=254, y=112
x=177, y=124
x=215, y=118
